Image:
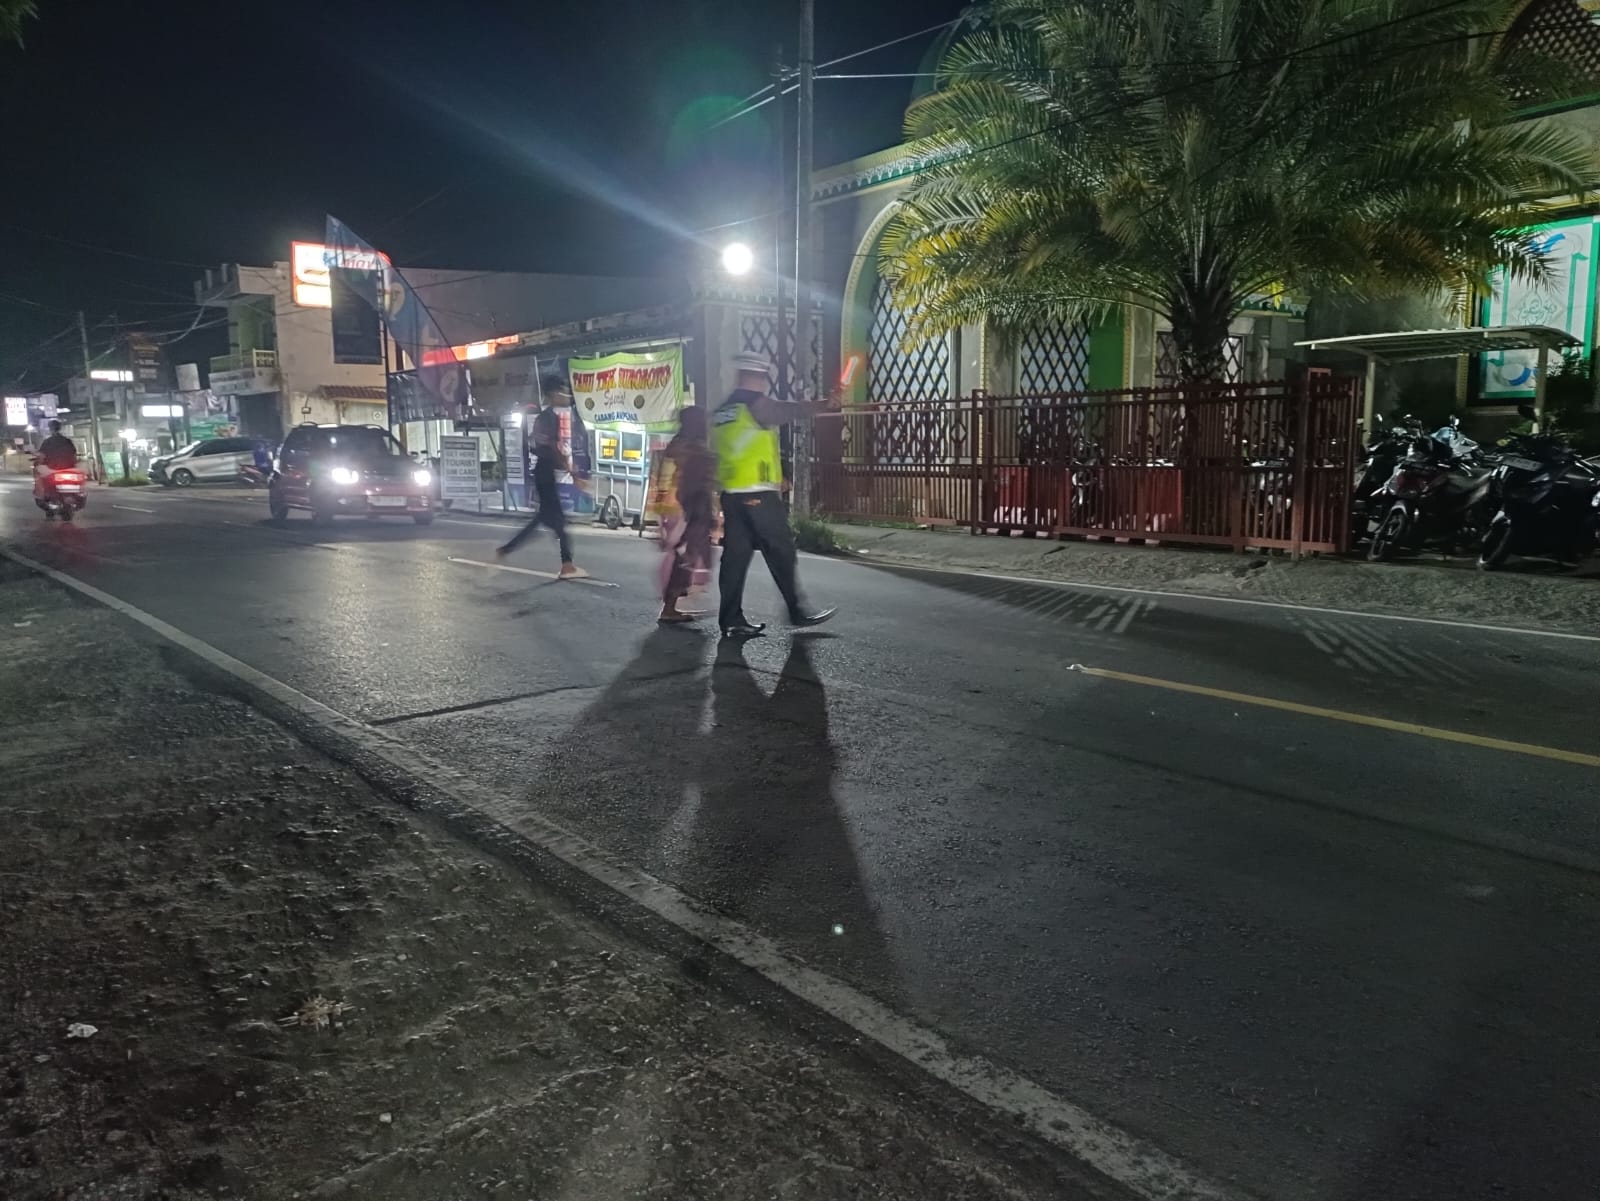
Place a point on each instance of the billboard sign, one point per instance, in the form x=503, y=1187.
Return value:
x=146, y=356
x=16, y=410
x=310, y=264
x=1565, y=298
x=357, y=327
x=503, y=385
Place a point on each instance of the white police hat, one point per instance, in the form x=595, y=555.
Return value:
x=756, y=363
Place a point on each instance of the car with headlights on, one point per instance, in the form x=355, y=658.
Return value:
x=328, y=470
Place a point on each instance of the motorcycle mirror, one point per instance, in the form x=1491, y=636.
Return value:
x=1526, y=412
x=1455, y=422
x=1377, y=418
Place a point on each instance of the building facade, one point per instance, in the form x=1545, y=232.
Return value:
x=854, y=202
x=283, y=366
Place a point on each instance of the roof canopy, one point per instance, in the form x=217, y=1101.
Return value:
x=1410, y=345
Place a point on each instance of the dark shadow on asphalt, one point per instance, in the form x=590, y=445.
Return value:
x=742, y=816
x=770, y=835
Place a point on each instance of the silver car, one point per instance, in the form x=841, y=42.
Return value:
x=208, y=461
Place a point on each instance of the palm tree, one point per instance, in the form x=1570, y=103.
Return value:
x=12, y=15
x=1186, y=155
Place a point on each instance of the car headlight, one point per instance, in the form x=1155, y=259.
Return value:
x=422, y=476
x=344, y=475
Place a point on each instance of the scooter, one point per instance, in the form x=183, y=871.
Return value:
x=1434, y=498
x=59, y=491
x=1384, y=451
x=1547, y=502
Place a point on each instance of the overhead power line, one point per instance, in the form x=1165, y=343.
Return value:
x=90, y=246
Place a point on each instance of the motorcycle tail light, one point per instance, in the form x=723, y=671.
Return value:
x=70, y=477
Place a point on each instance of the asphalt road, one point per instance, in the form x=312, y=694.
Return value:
x=1311, y=957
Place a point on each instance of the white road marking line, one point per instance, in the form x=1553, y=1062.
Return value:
x=1204, y=598
x=1144, y=1169
x=286, y=536
x=544, y=575
x=132, y=509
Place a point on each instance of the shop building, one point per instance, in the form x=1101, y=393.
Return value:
x=285, y=366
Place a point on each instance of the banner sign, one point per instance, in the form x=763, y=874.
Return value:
x=458, y=469
x=1564, y=299
x=503, y=385
x=440, y=379
x=408, y=401
x=629, y=389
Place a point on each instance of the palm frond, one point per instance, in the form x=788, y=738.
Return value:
x=1180, y=154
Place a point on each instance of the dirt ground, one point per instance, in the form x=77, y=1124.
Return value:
x=300, y=989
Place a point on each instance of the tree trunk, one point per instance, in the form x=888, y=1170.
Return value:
x=1200, y=319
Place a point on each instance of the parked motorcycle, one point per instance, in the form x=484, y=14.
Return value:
x=1546, y=501
x=1388, y=445
x=59, y=491
x=1436, y=496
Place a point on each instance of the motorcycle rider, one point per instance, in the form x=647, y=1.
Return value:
x=58, y=451
x=55, y=453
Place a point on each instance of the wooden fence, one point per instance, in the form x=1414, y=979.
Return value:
x=1266, y=465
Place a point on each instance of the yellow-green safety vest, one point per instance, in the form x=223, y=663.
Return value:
x=749, y=456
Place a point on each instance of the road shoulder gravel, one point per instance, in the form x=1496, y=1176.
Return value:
x=1532, y=595
x=300, y=989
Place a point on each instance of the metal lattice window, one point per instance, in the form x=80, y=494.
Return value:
x=1561, y=30
x=1167, y=373
x=894, y=373
x=1054, y=358
x=758, y=334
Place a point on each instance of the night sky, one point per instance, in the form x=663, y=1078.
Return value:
x=558, y=136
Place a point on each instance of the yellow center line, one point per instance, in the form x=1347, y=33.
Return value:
x=1355, y=719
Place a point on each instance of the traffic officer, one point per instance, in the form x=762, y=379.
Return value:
x=744, y=436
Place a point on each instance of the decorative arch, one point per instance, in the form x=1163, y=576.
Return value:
x=870, y=330
x=1568, y=30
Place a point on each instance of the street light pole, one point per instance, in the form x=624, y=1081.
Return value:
x=780, y=356
x=802, y=357
x=94, y=410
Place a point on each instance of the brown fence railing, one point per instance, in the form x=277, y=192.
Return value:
x=1240, y=465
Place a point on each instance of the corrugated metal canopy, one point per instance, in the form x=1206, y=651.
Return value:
x=1410, y=345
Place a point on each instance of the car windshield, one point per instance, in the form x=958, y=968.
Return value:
x=365, y=444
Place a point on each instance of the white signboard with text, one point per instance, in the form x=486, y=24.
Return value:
x=458, y=469
x=512, y=428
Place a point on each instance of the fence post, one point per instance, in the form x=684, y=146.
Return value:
x=975, y=431
x=1353, y=403
x=987, y=489
x=1300, y=465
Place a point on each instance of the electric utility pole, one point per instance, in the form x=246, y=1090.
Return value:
x=802, y=356
x=94, y=409
x=780, y=240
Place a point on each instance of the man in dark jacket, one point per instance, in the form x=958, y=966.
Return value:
x=58, y=451
x=548, y=460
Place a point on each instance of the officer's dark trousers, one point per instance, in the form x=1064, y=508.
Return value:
x=755, y=521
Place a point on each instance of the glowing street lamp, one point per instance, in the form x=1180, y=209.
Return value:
x=738, y=258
